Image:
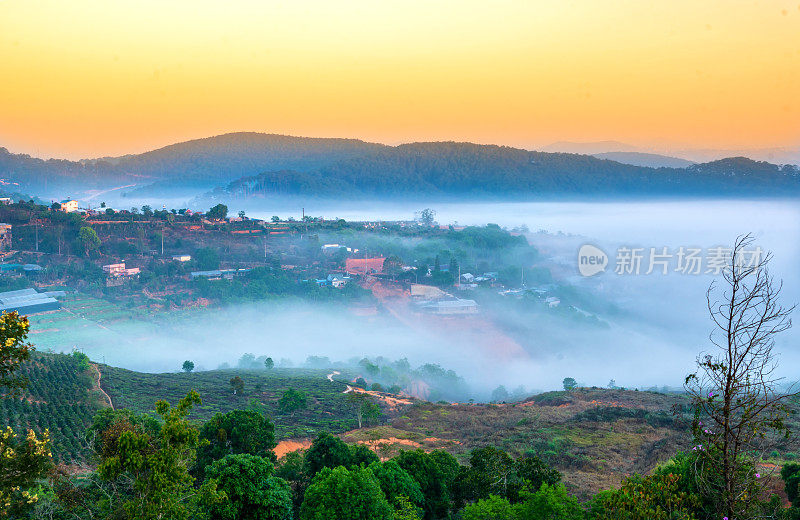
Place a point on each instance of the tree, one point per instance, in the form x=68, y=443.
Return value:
x=218, y=212
x=88, y=239
x=252, y=491
x=56, y=206
x=435, y=472
x=241, y=214
x=292, y=400
x=22, y=463
x=342, y=494
x=491, y=508
x=247, y=360
x=268, y=363
x=360, y=455
x=534, y=472
x=656, y=497
x=397, y=484
x=790, y=474
x=147, y=211
x=393, y=265
x=207, y=258
x=14, y=350
x=427, y=217
x=237, y=384
x=155, y=465
x=499, y=394
x=188, y=366
x=551, y=503
x=275, y=219
x=569, y=384
x=364, y=407
x=235, y=432
x=738, y=408
x=492, y=472
x=326, y=451
x=405, y=510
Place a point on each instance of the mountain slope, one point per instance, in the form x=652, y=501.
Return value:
x=199, y=163
x=475, y=171
x=649, y=160
x=332, y=167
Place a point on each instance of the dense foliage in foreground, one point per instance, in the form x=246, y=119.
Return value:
x=163, y=466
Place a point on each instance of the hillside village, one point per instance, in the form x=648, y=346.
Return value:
x=168, y=259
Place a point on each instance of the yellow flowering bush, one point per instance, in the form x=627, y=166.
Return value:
x=22, y=462
x=13, y=351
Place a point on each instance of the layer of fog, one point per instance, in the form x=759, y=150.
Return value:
x=662, y=324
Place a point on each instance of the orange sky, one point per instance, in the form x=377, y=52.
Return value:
x=93, y=78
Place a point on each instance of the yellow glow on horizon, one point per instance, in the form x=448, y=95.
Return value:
x=94, y=78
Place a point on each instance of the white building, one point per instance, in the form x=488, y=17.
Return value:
x=69, y=205
x=182, y=258
x=450, y=307
x=120, y=270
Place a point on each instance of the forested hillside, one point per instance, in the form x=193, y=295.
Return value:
x=247, y=164
x=463, y=169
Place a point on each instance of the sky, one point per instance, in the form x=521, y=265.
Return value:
x=83, y=79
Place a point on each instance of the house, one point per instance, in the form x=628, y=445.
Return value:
x=337, y=280
x=120, y=271
x=182, y=258
x=467, y=277
x=552, y=301
x=5, y=237
x=5, y=200
x=69, y=205
x=449, y=307
x=426, y=292
x=364, y=266
x=335, y=248
x=218, y=274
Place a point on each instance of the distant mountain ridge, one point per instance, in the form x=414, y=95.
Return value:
x=249, y=164
x=610, y=149
x=650, y=160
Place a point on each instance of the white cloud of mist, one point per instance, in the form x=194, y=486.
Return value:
x=662, y=326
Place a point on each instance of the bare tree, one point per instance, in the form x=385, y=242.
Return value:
x=739, y=400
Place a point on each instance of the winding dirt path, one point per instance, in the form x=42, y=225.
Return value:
x=99, y=376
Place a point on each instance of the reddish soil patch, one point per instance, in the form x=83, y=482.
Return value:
x=285, y=447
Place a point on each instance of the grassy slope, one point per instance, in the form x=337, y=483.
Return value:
x=595, y=437
x=328, y=408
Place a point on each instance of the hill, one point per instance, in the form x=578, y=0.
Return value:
x=198, y=163
x=480, y=171
x=649, y=160
x=594, y=436
x=253, y=164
